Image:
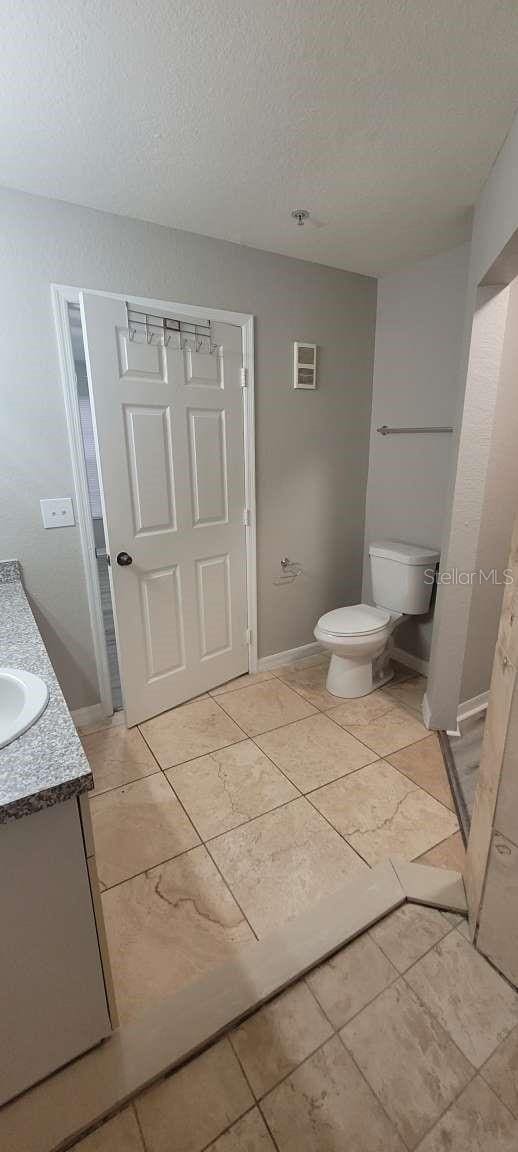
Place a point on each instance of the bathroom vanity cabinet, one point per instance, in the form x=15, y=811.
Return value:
x=56, y=997
x=53, y=992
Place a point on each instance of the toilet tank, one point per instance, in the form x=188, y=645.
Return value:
x=402, y=576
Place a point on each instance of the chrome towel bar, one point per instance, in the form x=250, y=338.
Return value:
x=386, y=431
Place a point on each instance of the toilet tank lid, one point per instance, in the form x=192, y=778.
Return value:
x=404, y=553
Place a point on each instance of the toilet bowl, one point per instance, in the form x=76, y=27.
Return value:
x=356, y=637
x=359, y=636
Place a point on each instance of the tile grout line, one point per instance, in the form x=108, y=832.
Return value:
x=328, y=822
x=250, y=820
x=186, y=852
x=335, y=1035
x=307, y=701
x=419, y=859
x=234, y=897
x=259, y=1100
x=207, y=849
x=378, y=756
x=227, y=714
x=191, y=822
x=138, y=1123
x=304, y=796
x=307, y=794
x=230, y=717
x=415, y=788
x=390, y=708
x=205, y=843
x=145, y=871
x=286, y=804
x=361, y=1073
x=148, y=746
x=214, y=693
x=394, y=980
x=202, y=844
x=474, y=1073
x=317, y=787
x=403, y=773
x=401, y=976
x=452, y=1103
x=268, y=1129
x=450, y=928
x=229, y=1127
x=94, y=795
x=283, y=770
x=243, y=1069
x=335, y=1031
x=488, y=1083
x=300, y=795
x=431, y=1013
x=309, y=1055
x=321, y=711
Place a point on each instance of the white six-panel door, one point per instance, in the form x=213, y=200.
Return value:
x=169, y=429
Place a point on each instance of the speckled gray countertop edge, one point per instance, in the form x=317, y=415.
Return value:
x=45, y=765
x=10, y=570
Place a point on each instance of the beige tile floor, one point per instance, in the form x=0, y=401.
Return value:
x=224, y=817
x=405, y=1040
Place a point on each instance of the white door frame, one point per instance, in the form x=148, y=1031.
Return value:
x=62, y=296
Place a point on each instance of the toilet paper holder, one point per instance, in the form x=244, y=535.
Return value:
x=290, y=569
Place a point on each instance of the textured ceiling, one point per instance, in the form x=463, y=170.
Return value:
x=220, y=116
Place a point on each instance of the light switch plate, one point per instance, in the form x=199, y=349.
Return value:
x=57, y=513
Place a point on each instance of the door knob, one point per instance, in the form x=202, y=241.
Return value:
x=124, y=558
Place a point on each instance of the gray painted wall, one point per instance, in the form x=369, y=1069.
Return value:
x=312, y=448
x=495, y=221
x=418, y=346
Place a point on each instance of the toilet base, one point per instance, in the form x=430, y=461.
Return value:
x=350, y=678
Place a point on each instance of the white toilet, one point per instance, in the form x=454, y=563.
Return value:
x=358, y=636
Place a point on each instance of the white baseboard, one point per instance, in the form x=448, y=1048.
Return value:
x=472, y=707
x=468, y=708
x=266, y=663
x=410, y=661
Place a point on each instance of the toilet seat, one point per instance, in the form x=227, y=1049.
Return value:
x=356, y=620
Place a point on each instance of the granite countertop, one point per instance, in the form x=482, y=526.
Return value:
x=46, y=764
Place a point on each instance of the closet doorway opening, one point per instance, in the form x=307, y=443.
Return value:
x=94, y=500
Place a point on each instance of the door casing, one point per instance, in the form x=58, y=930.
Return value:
x=63, y=295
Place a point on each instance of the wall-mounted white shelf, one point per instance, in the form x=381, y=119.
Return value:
x=304, y=365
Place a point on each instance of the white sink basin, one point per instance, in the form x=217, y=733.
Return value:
x=23, y=698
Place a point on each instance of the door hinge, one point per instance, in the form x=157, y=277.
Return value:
x=244, y=377
x=246, y=517
x=248, y=636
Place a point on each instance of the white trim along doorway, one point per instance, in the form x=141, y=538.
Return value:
x=62, y=298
